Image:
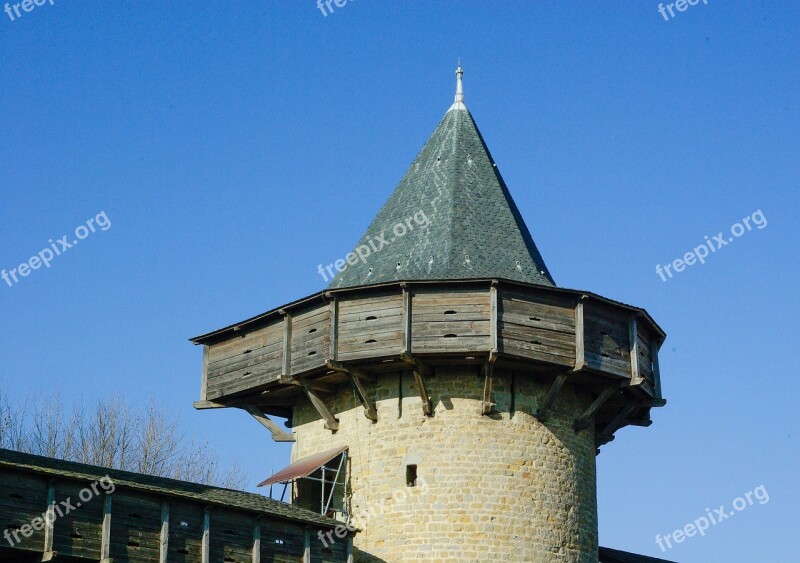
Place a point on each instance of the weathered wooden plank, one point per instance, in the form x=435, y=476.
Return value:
x=438, y=299
x=615, y=366
x=549, y=337
x=360, y=308
x=454, y=344
x=257, y=338
x=463, y=328
x=163, y=544
x=385, y=336
x=272, y=352
x=386, y=351
x=526, y=347
x=540, y=322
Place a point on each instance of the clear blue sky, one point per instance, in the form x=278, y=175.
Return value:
x=236, y=145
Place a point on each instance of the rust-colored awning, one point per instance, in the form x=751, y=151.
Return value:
x=303, y=467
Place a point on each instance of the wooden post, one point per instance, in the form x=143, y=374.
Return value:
x=204, y=378
x=633, y=337
x=163, y=544
x=49, y=519
x=580, y=356
x=307, y=546
x=105, y=538
x=493, y=328
x=656, y=371
x=349, y=549
x=333, y=353
x=286, y=371
x=257, y=541
x=206, y=536
x=406, y=346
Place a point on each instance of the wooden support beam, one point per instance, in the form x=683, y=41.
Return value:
x=419, y=370
x=406, y=346
x=607, y=433
x=278, y=433
x=333, y=352
x=586, y=418
x=321, y=387
x=203, y=405
x=656, y=370
x=355, y=376
x=493, y=328
x=550, y=398
x=204, y=378
x=580, y=355
x=633, y=337
x=206, y=545
x=488, y=373
x=331, y=422
x=286, y=369
x=349, y=549
x=257, y=541
x=163, y=542
x=105, y=533
x=49, y=519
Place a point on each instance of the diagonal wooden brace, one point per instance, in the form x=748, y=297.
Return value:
x=355, y=375
x=331, y=422
x=550, y=398
x=420, y=370
x=278, y=433
x=586, y=418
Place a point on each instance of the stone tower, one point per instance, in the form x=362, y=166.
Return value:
x=468, y=394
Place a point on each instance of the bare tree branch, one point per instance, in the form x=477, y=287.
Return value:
x=112, y=433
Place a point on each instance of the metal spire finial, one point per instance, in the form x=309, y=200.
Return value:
x=459, y=101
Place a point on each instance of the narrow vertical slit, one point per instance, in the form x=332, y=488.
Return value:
x=513, y=391
x=400, y=395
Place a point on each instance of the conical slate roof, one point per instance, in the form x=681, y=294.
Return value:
x=451, y=217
